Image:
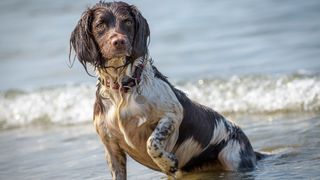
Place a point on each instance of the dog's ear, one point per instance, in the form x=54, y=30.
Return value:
x=83, y=43
x=142, y=32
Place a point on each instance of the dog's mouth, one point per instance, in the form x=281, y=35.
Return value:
x=118, y=52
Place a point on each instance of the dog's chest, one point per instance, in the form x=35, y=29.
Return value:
x=132, y=122
x=132, y=129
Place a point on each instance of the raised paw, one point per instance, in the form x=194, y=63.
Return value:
x=173, y=168
x=167, y=162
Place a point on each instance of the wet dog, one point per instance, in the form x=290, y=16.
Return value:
x=139, y=113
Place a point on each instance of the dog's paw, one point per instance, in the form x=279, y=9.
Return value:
x=168, y=163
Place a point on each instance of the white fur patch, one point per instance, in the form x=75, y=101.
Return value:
x=220, y=132
x=230, y=156
x=188, y=149
x=111, y=115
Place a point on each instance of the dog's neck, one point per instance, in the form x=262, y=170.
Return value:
x=115, y=69
x=120, y=76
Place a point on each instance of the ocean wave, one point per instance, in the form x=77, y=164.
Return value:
x=72, y=104
x=63, y=105
x=258, y=94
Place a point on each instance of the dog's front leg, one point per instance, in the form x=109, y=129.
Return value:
x=116, y=159
x=117, y=163
x=159, y=140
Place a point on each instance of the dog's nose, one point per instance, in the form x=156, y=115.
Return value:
x=118, y=43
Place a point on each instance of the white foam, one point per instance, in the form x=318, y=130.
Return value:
x=258, y=94
x=73, y=104
x=62, y=105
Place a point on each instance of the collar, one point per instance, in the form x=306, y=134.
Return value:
x=127, y=82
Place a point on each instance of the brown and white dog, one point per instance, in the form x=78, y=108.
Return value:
x=139, y=113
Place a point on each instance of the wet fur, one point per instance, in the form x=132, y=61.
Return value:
x=168, y=132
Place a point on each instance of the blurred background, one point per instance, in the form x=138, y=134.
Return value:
x=256, y=62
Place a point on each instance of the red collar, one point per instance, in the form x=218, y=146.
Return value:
x=127, y=82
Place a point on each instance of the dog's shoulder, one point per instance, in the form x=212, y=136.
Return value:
x=180, y=95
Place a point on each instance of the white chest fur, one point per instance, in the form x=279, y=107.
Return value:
x=128, y=119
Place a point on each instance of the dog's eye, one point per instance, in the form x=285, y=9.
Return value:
x=128, y=22
x=101, y=26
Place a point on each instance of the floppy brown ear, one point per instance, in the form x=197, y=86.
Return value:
x=83, y=43
x=142, y=32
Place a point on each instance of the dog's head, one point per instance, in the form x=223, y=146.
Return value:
x=110, y=30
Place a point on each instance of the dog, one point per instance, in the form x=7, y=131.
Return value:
x=138, y=112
